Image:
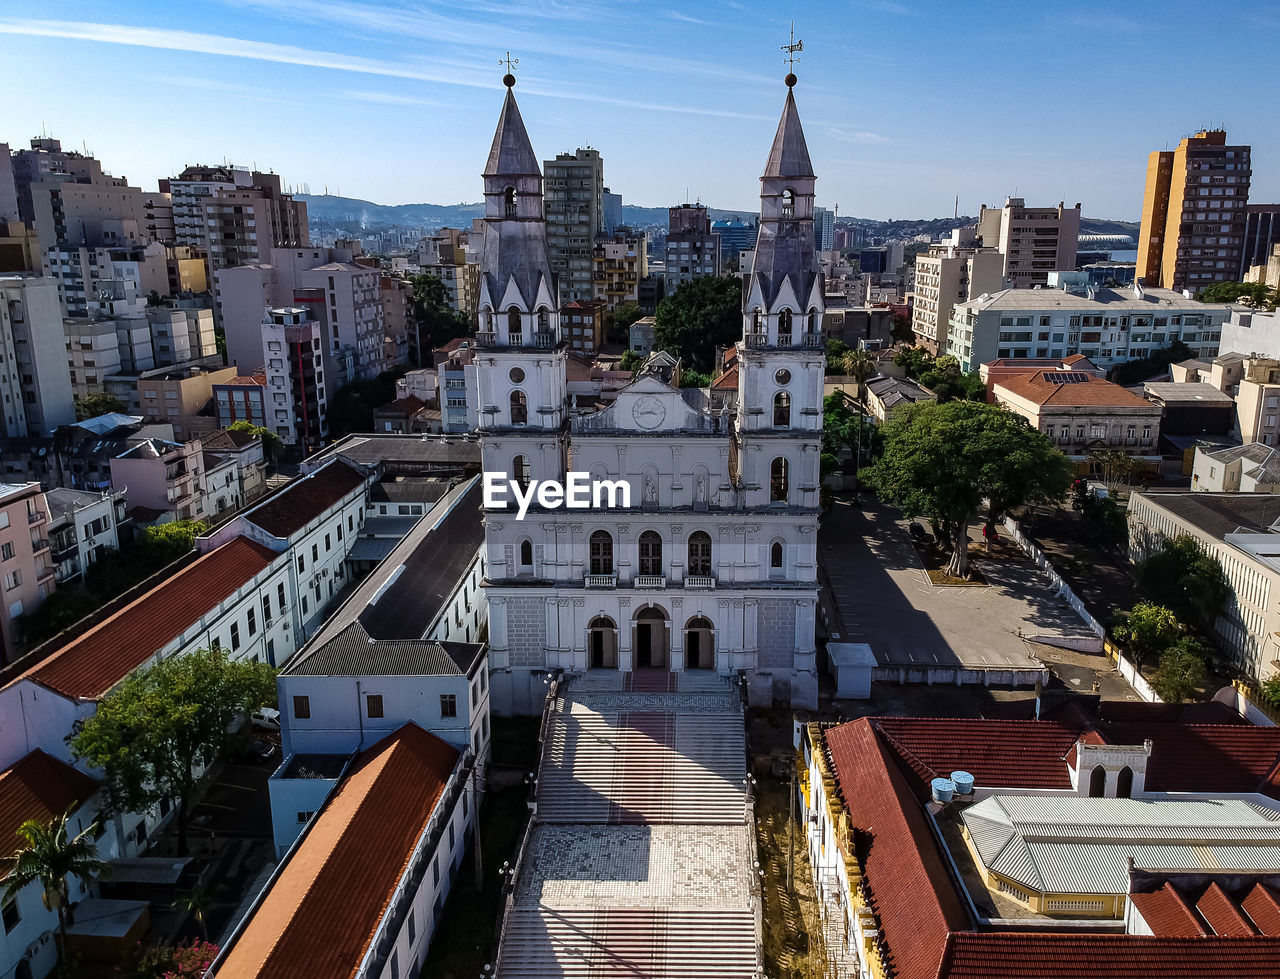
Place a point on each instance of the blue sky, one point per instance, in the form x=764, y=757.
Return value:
x=905, y=104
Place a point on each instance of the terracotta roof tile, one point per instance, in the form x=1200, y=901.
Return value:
x=905, y=874
x=297, y=504
x=1049, y=956
x=93, y=663
x=1262, y=904
x=1038, y=387
x=1205, y=757
x=1167, y=913
x=1221, y=913
x=997, y=753
x=38, y=786
x=728, y=381
x=325, y=906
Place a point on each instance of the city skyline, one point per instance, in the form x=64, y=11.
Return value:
x=1023, y=122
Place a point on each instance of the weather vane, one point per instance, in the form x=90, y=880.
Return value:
x=792, y=49
x=509, y=79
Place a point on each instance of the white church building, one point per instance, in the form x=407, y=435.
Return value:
x=713, y=566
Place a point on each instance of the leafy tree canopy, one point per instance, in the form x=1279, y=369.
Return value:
x=701, y=315
x=1148, y=629
x=694, y=379
x=1157, y=362
x=98, y=403
x=437, y=321
x=1249, y=293
x=1181, y=670
x=271, y=442
x=630, y=361
x=837, y=350
x=947, y=382
x=914, y=361
x=901, y=331
x=1186, y=579
x=941, y=460
x=351, y=409
x=162, y=726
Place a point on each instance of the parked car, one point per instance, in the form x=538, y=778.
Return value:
x=265, y=719
x=261, y=748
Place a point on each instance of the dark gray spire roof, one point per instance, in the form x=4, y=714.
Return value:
x=511, y=153
x=789, y=156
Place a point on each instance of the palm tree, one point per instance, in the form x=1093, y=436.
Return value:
x=49, y=856
x=860, y=365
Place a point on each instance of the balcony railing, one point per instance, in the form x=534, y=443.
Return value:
x=540, y=339
x=651, y=581
x=703, y=581
x=757, y=339
x=35, y=517
x=601, y=581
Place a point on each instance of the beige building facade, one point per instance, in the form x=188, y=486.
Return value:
x=1033, y=240
x=952, y=272
x=27, y=572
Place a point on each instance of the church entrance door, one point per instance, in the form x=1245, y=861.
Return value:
x=651, y=638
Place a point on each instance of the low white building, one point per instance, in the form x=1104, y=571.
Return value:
x=82, y=528
x=1251, y=468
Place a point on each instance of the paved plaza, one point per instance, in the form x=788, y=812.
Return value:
x=880, y=595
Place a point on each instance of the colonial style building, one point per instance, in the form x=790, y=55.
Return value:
x=713, y=565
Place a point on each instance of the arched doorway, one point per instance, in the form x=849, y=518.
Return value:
x=699, y=644
x=651, y=642
x=1124, y=783
x=602, y=644
x=1097, y=782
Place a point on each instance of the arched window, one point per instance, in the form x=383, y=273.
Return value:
x=601, y=547
x=519, y=408
x=782, y=410
x=788, y=203
x=520, y=471
x=778, y=481
x=755, y=320
x=526, y=554
x=515, y=330
x=699, y=553
x=486, y=318
x=510, y=200
x=650, y=553
x=1097, y=782
x=813, y=319
x=784, y=323
x=1124, y=783
x=775, y=555
x=544, y=318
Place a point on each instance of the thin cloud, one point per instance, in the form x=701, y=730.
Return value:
x=884, y=7
x=856, y=136
x=231, y=47
x=676, y=15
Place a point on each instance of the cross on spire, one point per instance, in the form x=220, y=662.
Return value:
x=792, y=49
x=509, y=79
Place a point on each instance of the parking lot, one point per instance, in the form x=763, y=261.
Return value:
x=880, y=595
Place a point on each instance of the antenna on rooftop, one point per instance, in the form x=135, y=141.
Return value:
x=957, y=214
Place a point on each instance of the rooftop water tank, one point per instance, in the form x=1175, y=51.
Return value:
x=963, y=782
x=943, y=789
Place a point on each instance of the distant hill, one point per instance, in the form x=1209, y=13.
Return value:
x=352, y=214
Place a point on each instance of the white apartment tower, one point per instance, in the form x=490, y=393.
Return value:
x=714, y=565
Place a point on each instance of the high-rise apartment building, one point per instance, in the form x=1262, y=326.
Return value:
x=949, y=273
x=296, y=394
x=1261, y=234
x=27, y=572
x=36, y=386
x=693, y=249
x=736, y=236
x=620, y=262
x=1193, y=213
x=575, y=216
x=1033, y=240
x=824, y=227
x=612, y=212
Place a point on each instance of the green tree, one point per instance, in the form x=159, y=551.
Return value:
x=98, y=403
x=901, y=331
x=1148, y=629
x=1187, y=579
x=949, y=383
x=1181, y=670
x=272, y=445
x=1157, y=362
x=49, y=856
x=351, y=408
x=155, y=733
x=630, y=361
x=837, y=350
x=914, y=361
x=701, y=315
x=943, y=460
x=620, y=320
x=1247, y=293
x=845, y=429
x=435, y=319
x=861, y=366
x=1113, y=468
x=690, y=378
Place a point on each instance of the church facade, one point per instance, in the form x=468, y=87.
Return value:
x=713, y=566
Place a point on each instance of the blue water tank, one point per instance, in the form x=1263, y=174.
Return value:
x=943, y=789
x=963, y=781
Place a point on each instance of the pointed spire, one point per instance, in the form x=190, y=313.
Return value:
x=511, y=153
x=789, y=155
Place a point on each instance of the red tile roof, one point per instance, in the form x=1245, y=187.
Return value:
x=1090, y=391
x=1167, y=912
x=324, y=908
x=1049, y=956
x=1262, y=904
x=728, y=381
x=997, y=753
x=38, y=786
x=1221, y=914
x=303, y=500
x=257, y=380
x=408, y=405
x=90, y=665
x=1206, y=757
x=905, y=874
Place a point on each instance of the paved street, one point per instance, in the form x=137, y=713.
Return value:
x=883, y=597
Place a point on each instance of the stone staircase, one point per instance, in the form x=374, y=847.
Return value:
x=640, y=859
